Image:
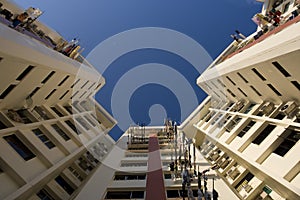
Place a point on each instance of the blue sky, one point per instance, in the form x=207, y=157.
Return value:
x=210, y=23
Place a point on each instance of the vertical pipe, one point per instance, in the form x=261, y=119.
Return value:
x=194, y=154
x=176, y=162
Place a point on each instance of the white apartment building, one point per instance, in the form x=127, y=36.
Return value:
x=51, y=128
x=53, y=134
x=249, y=125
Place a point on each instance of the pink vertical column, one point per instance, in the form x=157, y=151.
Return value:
x=155, y=187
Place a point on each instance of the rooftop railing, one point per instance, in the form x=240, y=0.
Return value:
x=39, y=35
x=266, y=31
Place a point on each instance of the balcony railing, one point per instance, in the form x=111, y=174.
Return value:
x=266, y=31
x=45, y=40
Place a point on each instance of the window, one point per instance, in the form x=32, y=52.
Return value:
x=280, y=116
x=249, y=108
x=74, y=94
x=64, y=80
x=259, y=74
x=274, y=89
x=260, y=114
x=91, y=94
x=91, y=86
x=86, y=105
x=244, y=182
x=281, y=69
x=137, y=194
x=83, y=123
x=135, y=155
x=24, y=73
x=99, y=85
x=125, y=195
x=134, y=164
x=207, y=85
x=214, y=155
x=50, y=94
x=43, y=138
x=296, y=84
x=2, y=125
x=84, y=84
x=231, y=104
x=222, y=93
x=214, y=85
x=118, y=195
x=168, y=176
x=224, y=162
x=41, y=112
x=60, y=132
x=91, y=158
x=226, y=120
x=255, y=90
x=230, y=92
x=75, y=83
x=19, y=147
x=267, y=189
x=7, y=91
x=48, y=77
x=72, y=126
x=216, y=119
x=242, y=92
x=233, y=173
x=217, y=94
x=286, y=7
x=209, y=116
x=84, y=165
x=122, y=177
x=69, y=109
x=60, y=181
x=233, y=123
x=173, y=194
x=34, y=91
x=90, y=121
x=230, y=80
x=246, y=129
x=289, y=140
x=242, y=77
x=95, y=118
x=221, y=83
x=75, y=173
x=62, y=96
x=24, y=115
x=57, y=111
x=258, y=140
x=77, y=106
x=83, y=94
x=44, y=195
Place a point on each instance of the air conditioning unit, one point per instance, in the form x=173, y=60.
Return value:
x=267, y=108
x=224, y=163
x=238, y=105
x=288, y=108
x=234, y=173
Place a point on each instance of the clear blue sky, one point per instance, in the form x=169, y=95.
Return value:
x=210, y=23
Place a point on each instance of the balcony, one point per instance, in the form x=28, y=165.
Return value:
x=268, y=29
x=36, y=33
